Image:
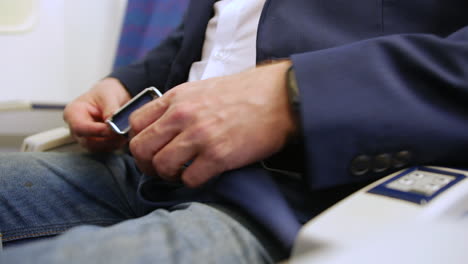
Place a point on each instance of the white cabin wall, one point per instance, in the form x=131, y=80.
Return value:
x=71, y=46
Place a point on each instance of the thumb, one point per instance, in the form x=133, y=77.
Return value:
x=110, y=95
x=110, y=104
x=110, y=108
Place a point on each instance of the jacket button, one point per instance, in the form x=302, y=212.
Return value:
x=382, y=162
x=360, y=165
x=401, y=159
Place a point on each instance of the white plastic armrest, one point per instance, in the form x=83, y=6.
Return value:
x=47, y=140
x=364, y=213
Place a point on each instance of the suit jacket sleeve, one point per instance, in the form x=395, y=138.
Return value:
x=141, y=74
x=380, y=98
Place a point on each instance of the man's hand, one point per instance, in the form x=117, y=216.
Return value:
x=86, y=115
x=219, y=124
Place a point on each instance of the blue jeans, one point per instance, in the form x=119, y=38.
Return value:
x=91, y=201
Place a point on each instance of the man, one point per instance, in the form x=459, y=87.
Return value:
x=343, y=93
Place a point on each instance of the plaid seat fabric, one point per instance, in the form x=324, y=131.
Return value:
x=146, y=23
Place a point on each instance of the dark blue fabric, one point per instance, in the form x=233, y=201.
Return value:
x=375, y=77
x=253, y=190
x=146, y=24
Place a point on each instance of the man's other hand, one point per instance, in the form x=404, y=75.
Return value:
x=219, y=124
x=86, y=115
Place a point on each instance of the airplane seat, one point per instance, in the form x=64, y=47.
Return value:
x=417, y=198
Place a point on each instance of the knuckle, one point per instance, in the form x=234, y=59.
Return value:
x=160, y=103
x=217, y=156
x=154, y=130
x=135, y=123
x=201, y=134
x=173, y=93
x=159, y=161
x=182, y=112
x=134, y=146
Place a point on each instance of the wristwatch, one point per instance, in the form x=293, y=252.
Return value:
x=293, y=92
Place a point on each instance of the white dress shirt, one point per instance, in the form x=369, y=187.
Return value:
x=230, y=39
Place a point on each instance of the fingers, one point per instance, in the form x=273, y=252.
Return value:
x=157, y=134
x=102, y=144
x=190, y=145
x=172, y=159
x=169, y=132
x=147, y=114
x=93, y=135
x=85, y=121
x=229, y=121
x=200, y=171
x=146, y=167
x=169, y=163
x=90, y=129
x=87, y=127
x=86, y=115
x=152, y=139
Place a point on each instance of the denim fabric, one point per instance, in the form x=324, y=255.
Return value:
x=95, y=198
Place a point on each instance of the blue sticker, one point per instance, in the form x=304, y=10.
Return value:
x=418, y=184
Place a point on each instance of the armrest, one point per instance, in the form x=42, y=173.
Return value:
x=408, y=242
x=58, y=139
x=418, y=194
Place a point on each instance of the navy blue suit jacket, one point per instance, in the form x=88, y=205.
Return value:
x=378, y=79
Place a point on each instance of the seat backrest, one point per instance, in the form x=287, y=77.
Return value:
x=146, y=23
